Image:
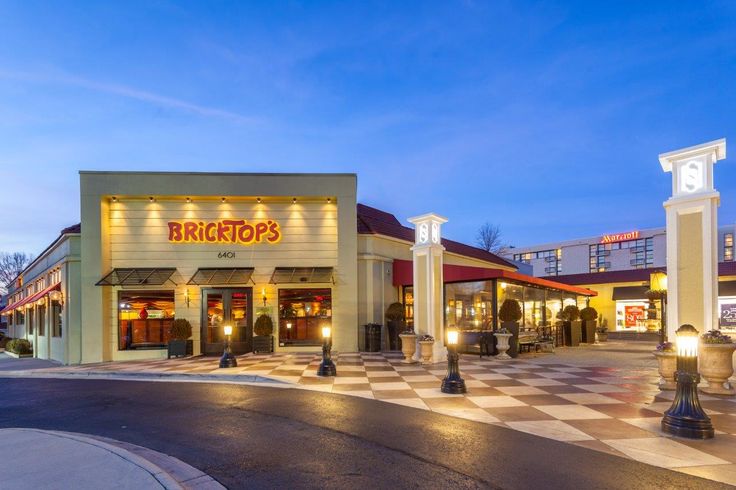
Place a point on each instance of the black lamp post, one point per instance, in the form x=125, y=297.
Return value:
x=228, y=359
x=686, y=418
x=453, y=383
x=327, y=367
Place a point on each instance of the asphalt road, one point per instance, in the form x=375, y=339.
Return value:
x=286, y=438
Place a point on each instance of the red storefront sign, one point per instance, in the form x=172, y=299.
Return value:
x=231, y=231
x=633, y=314
x=620, y=237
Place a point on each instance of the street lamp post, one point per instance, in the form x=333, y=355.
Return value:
x=686, y=418
x=327, y=367
x=453, y=383
x=228, y=359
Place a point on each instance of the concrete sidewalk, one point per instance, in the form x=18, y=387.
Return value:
x=42, y=459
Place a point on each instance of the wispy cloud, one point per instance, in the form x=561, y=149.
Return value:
x=63, y=78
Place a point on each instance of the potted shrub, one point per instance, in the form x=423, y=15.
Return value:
x=510, y=314
x=408, y=345
x=263, y=330
x=503, y=336
x=394, y=324
x=588, y=316
x=426, y=342
x=179, y=343
x=19, y=348
x=667, y=365
x=602, y=329
x=715, y=362
x=570, y=319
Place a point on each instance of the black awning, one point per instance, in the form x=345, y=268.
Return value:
x=302, y=274
x=727, y=288
x=218, y=276
x=139, y=276
x=630, y=293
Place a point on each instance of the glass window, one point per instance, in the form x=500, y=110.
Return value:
x=56, y=319
x=469, y=305
x=144, y=318
x=409, y=306
x=302, y=314
x=41, y=320
x=29, y=321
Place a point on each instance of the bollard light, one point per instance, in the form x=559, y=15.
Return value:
x=453, y=382
x=327, y=367
x=228, y=359
x=686, y=418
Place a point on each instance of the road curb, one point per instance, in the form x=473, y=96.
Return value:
x=170, y=472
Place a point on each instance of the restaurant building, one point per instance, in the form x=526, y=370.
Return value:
x=222, y=249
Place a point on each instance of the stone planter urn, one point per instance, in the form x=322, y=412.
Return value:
x=667, y=364
x=408, y=347
x=602, y=336
x=425, y=351
x=715, y=364
x=503, y=345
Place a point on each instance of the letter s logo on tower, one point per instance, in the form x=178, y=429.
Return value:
x=691, y=176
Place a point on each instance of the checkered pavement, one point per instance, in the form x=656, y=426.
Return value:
x=615, y=410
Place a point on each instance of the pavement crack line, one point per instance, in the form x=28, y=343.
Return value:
x=373, y=442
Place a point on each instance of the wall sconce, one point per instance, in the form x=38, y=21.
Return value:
x=186, y=297
x=114, y=199
x=258, y=200
x=152, y=199
x=293, y=200
x=264, y=297
x=189, y=199
x=56, y=296
x=223, y=199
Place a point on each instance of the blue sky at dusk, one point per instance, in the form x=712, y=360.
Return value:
x=545, y=118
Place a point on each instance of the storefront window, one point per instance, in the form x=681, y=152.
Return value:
x=532, y=307
x=302, y=314
x=553, y=306
x=144, y=318
x=409, y=306
x=56, y=312
x=631, y=315
x=41, y=321
x=29, y=321
x=469, y=306
x=727, y=312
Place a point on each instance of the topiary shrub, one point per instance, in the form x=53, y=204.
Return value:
x=510, y=311
x=19, y=346
x=180, y=329
x=570, y=313
x=263, y=326
x=588, y=314
x=395, y=312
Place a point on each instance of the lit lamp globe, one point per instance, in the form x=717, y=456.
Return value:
x=453, y=382
x=327, y=367
x=228, y=359
x=686, y=418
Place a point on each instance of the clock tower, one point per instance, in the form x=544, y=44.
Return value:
x=692, y=236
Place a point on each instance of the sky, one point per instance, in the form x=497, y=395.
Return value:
x=544, y=118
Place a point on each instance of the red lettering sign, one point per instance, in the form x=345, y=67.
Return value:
x=620, y=237
x=231, y=231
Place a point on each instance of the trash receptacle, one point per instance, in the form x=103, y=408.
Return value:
x=373, y=337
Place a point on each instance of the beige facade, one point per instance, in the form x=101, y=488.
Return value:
x=125, y=220
x=52, y=326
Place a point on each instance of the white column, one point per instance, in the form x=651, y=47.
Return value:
x=692, y=236
x=428, y=281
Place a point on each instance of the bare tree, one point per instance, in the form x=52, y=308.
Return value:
x=489, y=238
x=12, y=264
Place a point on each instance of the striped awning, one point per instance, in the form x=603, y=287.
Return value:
x=30, y=299
x=137, y=277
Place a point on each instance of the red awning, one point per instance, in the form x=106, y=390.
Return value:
x=404, y=276
x=31, y=299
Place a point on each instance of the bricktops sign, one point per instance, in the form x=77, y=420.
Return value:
x=620, y=237
x=229, y=231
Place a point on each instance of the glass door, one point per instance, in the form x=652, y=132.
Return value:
x=222, y=307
